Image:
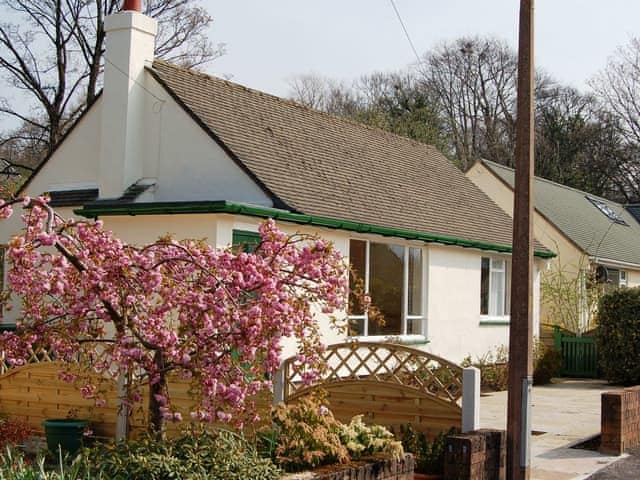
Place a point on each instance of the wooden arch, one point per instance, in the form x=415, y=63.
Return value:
x=389, y=384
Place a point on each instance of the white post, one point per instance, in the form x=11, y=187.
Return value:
x=470, y=399
x=122, y=421
x=278, y=386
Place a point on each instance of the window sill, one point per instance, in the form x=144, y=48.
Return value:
x=399, y=339
x=495, y=321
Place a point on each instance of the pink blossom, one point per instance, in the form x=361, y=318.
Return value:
x=209, y=315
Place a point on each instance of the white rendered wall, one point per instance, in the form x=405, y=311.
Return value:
x=186, y=162
x=454, y=328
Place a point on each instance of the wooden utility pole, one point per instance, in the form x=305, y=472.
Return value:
x=520, y=334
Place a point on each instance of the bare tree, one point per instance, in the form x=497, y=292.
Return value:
x=323, y=93
x=51, y=51
x=473, y=82
x=392, y=101
x=579, y=144
x=618, y=87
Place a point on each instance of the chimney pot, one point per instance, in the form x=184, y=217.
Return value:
x=135, y=5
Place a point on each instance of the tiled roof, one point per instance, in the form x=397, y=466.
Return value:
x=318, y=164
x=634, y=209
x=72, y=198
x=580, y=219
x=130, y=195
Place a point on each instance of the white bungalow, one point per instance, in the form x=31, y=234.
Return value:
x=166, y=149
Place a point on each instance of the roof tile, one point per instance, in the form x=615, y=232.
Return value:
x=318, y=164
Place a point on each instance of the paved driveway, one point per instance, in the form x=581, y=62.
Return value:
x=563, y=414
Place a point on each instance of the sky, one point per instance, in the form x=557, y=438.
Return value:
x=270, y=41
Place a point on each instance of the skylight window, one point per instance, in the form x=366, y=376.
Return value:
x=607, y=210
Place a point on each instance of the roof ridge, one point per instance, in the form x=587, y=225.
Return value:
x=295, y=104
x=491, y=163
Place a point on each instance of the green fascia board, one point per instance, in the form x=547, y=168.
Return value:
x=221, y=206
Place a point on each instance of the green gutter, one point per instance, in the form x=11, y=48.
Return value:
x=106, y=209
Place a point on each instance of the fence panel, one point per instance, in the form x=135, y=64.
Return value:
x=389, y=384
x=579, y=355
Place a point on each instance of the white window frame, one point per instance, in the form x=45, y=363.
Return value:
x=492, y=316
x=403, y=335
x=624, y=282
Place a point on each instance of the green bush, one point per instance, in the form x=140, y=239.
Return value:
x=13, y=466
x=548, y=363
x=494, y=371
x=200, y=453
x=428, y=456
x=618, y=336
x=365, y=440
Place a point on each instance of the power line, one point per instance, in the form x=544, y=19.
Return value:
x=134, y=80
x=406, y=32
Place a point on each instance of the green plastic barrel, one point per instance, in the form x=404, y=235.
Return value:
x=64, y=432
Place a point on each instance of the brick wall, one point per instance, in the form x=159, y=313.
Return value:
x=477, y=455
x=390, y=469
x=620, y=420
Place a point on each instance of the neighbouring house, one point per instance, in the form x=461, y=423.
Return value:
x=166, y=149
x=597, y=241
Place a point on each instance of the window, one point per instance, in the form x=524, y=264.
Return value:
x=394, y=277
x=607, y=210
x=614, y=278
x=494, y=287
x=245, y=241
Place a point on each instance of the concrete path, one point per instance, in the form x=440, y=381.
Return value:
x=625, y=469
x=564, y=413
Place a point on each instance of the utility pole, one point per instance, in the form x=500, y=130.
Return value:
x=520, y=332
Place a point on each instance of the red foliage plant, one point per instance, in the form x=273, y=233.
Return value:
x=13, y=432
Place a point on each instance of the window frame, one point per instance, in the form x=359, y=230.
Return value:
x=623, y=278
x=245, y=240
x=493, y=318
x=418, y=337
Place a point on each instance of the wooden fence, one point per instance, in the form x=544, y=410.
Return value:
x=35, y=392
x=389, y=384
x=579, y=355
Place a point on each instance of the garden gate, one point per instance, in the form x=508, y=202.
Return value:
x=579, y=355
x=389, y=384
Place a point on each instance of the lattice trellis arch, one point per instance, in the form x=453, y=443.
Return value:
x=389, y=384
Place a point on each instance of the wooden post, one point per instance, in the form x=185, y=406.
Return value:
x=520, y=334
x=278, y=385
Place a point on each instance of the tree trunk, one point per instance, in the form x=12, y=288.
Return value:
x=156, y=419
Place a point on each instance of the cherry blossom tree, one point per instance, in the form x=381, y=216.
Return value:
x=169, y=309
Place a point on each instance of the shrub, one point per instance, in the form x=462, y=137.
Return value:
x=13, y=432
x=494, y=371
x=547, y=364
x=428, y=456
x=200, y=453
x=618, y=336
x=306, y=435
x=14, y=466
x=363, y=440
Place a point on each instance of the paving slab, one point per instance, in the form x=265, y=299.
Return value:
x=563, y=414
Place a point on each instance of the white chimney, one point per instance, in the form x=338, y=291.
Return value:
x=130, y=42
